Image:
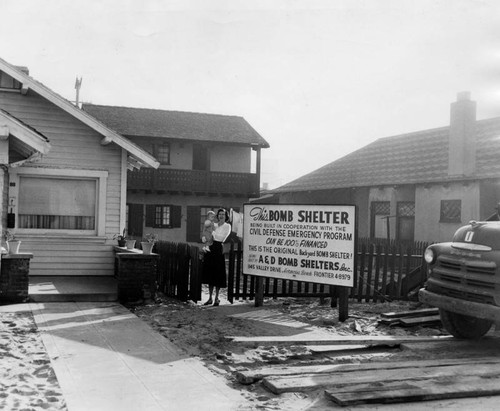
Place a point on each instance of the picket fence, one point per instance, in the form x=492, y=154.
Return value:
x=384, y=271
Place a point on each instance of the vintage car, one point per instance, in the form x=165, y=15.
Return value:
x=464, y=279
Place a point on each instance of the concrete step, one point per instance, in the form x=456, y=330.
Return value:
x=72, y=289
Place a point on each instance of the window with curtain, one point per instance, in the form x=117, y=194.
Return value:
x=57, y=203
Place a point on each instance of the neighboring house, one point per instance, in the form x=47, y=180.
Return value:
x=64, y=178
x=206, y=162
x=421, y=185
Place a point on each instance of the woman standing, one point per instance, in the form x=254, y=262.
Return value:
x=214, y=263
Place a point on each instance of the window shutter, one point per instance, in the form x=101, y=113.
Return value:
x=193, y=232
x=150, y=215
x=176, y=216
x=135, y=220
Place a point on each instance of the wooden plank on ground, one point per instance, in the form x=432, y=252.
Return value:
x=337, y=339
x=330, y=348
x=389, y=321
x=427, y=320
x=251, y=376
x=419, y=390
x=411, y=313
x=314, y=381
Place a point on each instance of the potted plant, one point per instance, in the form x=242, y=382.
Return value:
x=12, y=244
x=148, y=244
x=122, y=238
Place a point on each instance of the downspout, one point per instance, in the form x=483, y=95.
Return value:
x=3, y=175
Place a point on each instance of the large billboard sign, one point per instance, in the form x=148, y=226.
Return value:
x=312, y=243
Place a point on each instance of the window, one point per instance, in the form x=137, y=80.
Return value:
x=379, y=210
x=163, y=216
x=451, y=211
x=405, y=220
x=200, y=157
x=160, y=151
x=58, y=201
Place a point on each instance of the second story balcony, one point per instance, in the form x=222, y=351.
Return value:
x=194, y=182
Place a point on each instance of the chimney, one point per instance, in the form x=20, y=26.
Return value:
x=462, y=136
x=24, y=69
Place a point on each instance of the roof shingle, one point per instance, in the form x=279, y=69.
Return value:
x=412, y=158
x=141, y=122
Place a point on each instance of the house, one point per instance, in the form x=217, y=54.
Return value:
x=206, y=161
x=63, y=178
x=416, y=186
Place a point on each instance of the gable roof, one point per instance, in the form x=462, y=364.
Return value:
x=139, y=156
x=27, y=140
x=419, y=157
x=142, y=122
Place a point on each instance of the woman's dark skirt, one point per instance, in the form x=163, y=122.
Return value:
x=214, y=266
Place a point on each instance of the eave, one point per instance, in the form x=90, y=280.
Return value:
x=10, y=126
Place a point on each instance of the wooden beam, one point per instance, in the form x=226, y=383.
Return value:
x=257, y=374
x=436, y=388
x=134, y=163
x=106, y=140
x=4, y=132
x=358, y=381
x=337, y=339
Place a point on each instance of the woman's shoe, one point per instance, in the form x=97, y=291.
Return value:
x=216, y=303
x=208, y=302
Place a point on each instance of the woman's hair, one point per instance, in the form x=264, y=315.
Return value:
x=226, y=214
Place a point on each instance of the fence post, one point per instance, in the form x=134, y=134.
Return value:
x=361, y=273
x=259, y=291
x=400, y=271
x=343, y=293
x=195, y=277
x=183, y=273
x=369, y=273
x=377, y=272
x=386, y=250
x=230, y=279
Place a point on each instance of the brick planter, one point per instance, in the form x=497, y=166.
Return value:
x=14, y=278
x=136, y=275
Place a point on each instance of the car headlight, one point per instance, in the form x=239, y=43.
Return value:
x=429, y=256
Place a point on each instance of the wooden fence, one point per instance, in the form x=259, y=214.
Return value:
x=179, y=270
x=384, y=271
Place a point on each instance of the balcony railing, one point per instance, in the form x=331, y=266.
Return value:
x=194, y=181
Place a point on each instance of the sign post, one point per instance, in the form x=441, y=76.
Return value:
x=310, y=243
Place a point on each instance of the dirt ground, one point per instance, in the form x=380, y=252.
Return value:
x=27, y=380
x=201, y=331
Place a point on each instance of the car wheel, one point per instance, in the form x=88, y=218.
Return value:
x=463, y=326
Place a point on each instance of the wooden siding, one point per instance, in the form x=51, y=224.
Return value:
x=74, y=146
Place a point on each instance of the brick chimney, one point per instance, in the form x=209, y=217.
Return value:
x=462, y=136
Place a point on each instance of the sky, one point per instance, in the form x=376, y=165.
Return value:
x=318, y=79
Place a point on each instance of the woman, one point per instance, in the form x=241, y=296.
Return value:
x=214, y=263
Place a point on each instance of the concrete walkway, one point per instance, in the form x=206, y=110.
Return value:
x=106, y=358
